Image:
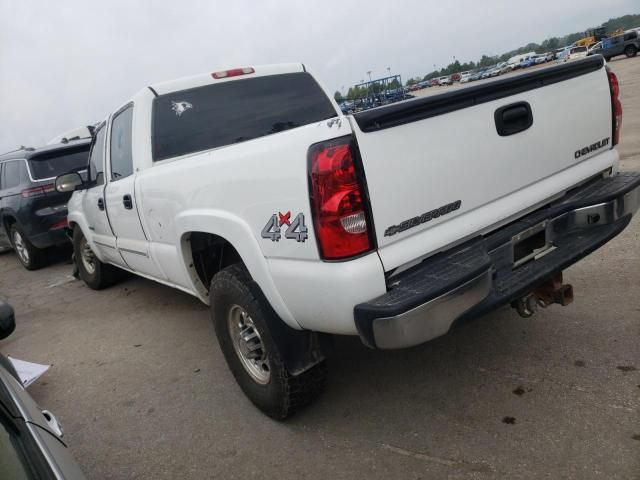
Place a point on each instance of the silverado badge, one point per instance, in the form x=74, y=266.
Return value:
x=424, y=218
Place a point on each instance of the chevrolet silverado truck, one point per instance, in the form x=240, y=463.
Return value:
x=249, y=189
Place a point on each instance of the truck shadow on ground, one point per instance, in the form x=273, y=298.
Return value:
x=441, y=377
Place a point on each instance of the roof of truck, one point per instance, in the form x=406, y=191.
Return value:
x=202, y=79
x=32, y=152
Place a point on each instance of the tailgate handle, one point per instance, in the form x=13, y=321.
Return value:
x=513, y=118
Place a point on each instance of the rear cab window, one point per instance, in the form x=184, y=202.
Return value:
x=222, y=114
x=51, y=165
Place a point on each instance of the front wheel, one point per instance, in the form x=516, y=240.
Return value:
x=96, y=274
x=30, y=256
x=630, y=51
x=241, y=315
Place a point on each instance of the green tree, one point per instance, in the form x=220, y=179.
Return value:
x=338, y=96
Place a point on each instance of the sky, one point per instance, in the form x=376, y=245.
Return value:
x=65, y=64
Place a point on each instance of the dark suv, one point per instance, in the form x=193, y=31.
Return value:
x=33, y=215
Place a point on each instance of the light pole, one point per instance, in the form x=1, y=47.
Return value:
x=386, y=83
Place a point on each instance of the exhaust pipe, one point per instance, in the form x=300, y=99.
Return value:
x=550, y=292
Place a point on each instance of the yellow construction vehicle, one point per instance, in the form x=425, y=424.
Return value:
x=591, y=37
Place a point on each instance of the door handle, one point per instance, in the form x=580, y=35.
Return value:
x=127, y=202
x=513, y=118
x=101, y=203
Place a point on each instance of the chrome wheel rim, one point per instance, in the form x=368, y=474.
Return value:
x=248, y=344
x=87, y=257
x=20, y=247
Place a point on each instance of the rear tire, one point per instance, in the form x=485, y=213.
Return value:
x=630, y=51
x=31, y=257
x=92, y=271
x=241, y=315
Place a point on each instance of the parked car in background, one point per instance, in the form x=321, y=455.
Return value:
x=476, y=76
x=626, y=44
x=465, y=77
x=33, y=216
x=79, y=133
x=572, y=53
x=505, y=67
x=455, y=77
x=540, y=59
x=445, y=80
x=595, y=46
x=528, y=62
x=31, y=444
x=517, y=60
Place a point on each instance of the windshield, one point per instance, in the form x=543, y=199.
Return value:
x=51, y=165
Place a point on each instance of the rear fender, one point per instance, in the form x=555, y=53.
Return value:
x=235, y=231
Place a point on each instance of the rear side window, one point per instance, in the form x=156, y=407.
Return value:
x=216, y=115
x=53, y=164
x=120, y=152
x=14, y=174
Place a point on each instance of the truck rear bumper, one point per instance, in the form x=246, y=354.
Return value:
x=484, y=273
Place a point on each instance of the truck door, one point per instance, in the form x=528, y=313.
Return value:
x=120, y=198
x=93, y=202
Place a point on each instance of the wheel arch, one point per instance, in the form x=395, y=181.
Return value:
x=228, y=238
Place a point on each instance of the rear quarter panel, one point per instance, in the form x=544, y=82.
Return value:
x=233, y=192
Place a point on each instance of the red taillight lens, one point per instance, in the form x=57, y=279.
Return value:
x=337, y=201
x=60, y=224
x=37, y=191
x=616, y=106
x=232, y=73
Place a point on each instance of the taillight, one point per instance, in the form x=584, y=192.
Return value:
x=616, y=106
x=338, y=201
x=234, y=72
x=38, y=191
x=60, y=224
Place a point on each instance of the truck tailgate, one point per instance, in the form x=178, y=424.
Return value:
x=440, y=160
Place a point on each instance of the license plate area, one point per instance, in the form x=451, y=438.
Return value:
x=531, y=244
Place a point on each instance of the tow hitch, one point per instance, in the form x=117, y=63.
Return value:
x=550, y=292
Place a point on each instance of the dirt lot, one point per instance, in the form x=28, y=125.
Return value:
x=142, y=389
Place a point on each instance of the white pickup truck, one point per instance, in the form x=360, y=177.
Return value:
x=249, y=189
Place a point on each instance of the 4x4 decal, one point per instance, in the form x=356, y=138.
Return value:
x=296, y=229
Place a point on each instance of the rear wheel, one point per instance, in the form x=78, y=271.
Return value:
x=241, y=316
x=31, y=257
x=96, y=274
x=630, y=51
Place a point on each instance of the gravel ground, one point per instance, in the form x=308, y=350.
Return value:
x=142, y=389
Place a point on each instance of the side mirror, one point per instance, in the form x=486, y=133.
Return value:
x=68, y=182
x=7, y=320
